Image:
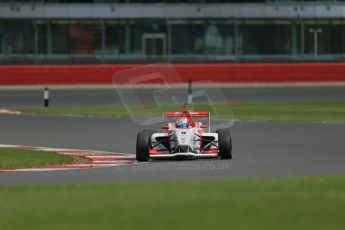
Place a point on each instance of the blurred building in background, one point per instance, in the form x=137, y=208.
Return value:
x=134, y=31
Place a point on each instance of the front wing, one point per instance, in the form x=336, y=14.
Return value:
x=161, y=155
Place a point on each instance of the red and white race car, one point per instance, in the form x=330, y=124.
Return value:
x=189, y=141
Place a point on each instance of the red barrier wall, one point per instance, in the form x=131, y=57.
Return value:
x=221, y=73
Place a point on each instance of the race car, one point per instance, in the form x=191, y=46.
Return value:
x=187, y=141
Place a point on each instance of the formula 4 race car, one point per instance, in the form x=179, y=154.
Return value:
x=189, y=141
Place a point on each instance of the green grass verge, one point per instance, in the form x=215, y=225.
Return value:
x=21, y=158
x=293, y=203
x=322, y=111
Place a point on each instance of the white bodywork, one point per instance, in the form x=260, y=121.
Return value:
x=184, y=141
x=186, y=138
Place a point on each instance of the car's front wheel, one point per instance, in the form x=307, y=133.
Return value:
x=224, y=144
x=143, y=146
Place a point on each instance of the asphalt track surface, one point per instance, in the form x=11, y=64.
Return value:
x=59, y=97
x=261, y=149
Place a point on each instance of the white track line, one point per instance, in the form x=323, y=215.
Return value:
x=9, y=111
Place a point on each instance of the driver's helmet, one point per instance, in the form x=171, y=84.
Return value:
x=182, y=122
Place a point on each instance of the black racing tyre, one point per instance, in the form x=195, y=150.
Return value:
x=224, y=144
x=143, y=146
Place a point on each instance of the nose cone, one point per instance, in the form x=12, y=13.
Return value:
x=184, y=137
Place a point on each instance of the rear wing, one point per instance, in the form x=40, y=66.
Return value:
x=191, y=114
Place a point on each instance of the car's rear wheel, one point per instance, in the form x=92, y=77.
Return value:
x=143, y=146
x=224, y=144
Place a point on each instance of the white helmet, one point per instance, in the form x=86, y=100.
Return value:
x=182, y=122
